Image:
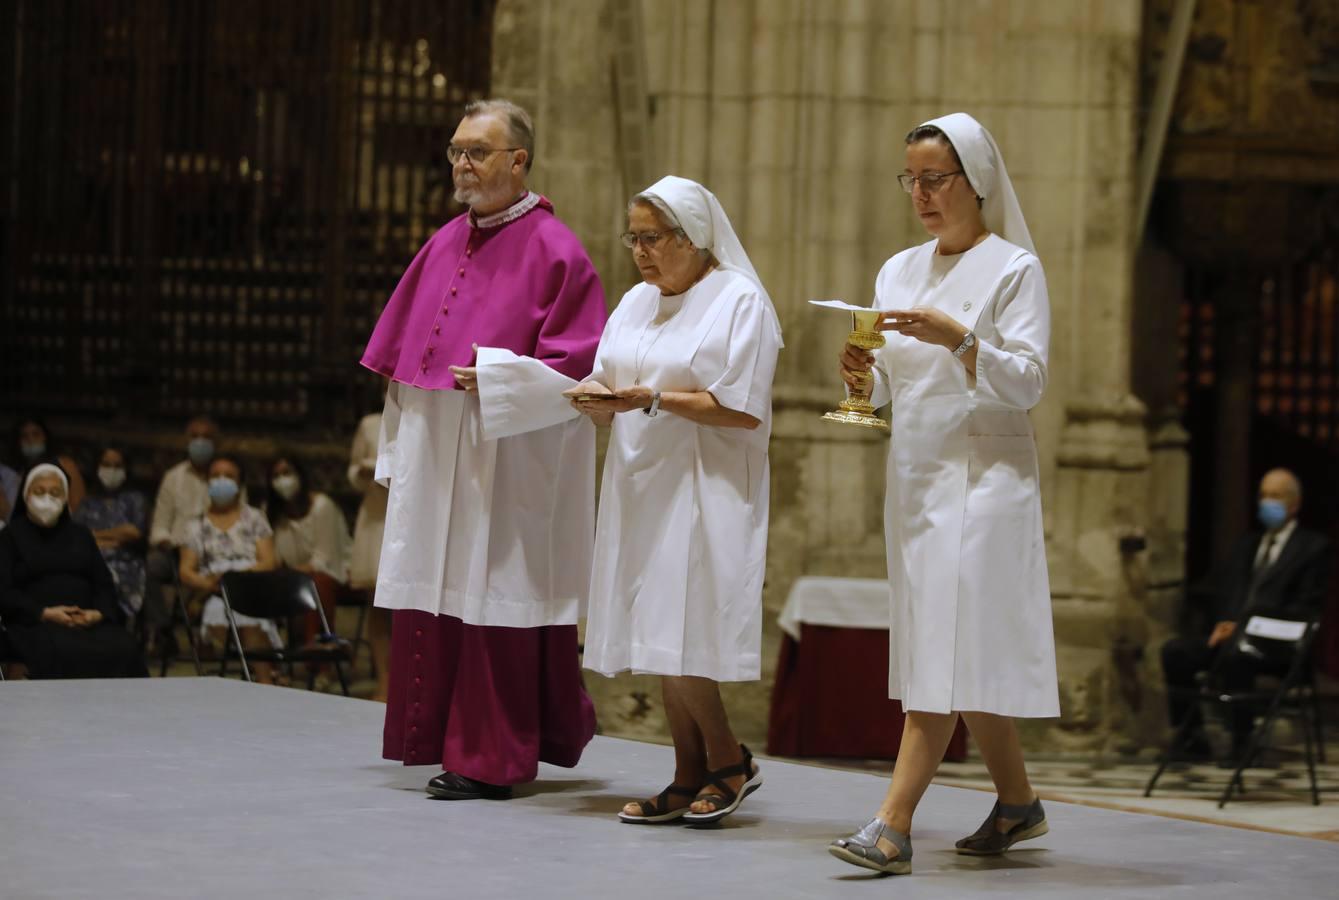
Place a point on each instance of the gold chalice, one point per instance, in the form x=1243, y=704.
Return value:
x=856, y=408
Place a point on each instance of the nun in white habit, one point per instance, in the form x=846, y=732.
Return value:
x=684, y=375
x=968, y=324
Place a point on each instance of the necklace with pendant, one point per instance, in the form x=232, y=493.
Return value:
x=638, y=357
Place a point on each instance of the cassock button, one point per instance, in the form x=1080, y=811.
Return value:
x=432, y=350
x=966, y=305
x=469, y=252
x=437, y=329
x=418, y=681
x=453, y=293
x=462, y=273
x=425, y=367
x=418, y=633
x=418, y=656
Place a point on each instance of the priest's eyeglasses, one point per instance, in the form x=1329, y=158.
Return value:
x=648, y=239
x=477, y=155
x=930, y=181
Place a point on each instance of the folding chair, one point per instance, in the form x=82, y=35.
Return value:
x=280, y=595
x=178, y=613
x=362, y=599
x=1285, y=646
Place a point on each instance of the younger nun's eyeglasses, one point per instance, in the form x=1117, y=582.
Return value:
x=930, y=181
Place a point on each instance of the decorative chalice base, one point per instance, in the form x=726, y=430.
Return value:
x=856, y=409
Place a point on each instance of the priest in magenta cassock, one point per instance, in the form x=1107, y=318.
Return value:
x=490, y=518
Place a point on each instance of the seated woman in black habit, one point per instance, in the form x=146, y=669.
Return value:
x=58, y=603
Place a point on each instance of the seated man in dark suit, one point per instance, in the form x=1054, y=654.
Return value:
x=1282, y=573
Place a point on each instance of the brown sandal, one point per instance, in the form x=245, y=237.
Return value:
x=727, y=800
x=657, y=811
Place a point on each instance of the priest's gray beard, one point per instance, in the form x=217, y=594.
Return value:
x=473, y=194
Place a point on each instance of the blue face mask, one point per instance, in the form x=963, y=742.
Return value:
x=200, y=450
x=1273, y=514
x=33, y=451
x=222, y=491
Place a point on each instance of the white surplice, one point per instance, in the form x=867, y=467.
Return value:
x=971, y=604
x=681, y=542
x=491, y=512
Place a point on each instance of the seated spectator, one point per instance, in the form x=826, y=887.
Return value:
x=182, y=498
x=1280, y=572
x=9, y=492
x=230, y=536
x=57, y=598
x=33, y=441
x=311, y=534
x=116, y=514
x=367, y=531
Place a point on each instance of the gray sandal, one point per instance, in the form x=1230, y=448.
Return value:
x=990, y=841
x=862, y=849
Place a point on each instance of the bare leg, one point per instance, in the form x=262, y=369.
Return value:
x=997, y=738
x=925, y=737
x=701, y=698
x=379, y=636
x=690, y=750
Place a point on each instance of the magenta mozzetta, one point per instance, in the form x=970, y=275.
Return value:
x=453, y=296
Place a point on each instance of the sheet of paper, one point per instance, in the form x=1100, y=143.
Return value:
x=1275, y=629
x=519, y=394
x=839, y=304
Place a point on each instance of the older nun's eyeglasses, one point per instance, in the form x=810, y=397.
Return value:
x=648, y=239
x=930, y=181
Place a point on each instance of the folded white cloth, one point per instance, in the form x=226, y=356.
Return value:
x=839, y=602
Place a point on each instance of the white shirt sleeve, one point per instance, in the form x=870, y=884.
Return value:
x=390, y=429
x=1014, y=373
x=330, y=539
x=518, y=394
x=746, y=383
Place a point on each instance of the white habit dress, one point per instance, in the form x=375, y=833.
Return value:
x=681, y=541
x=971, y=603
x=491, y=512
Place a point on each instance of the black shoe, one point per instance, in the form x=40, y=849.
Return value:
x=450, y=786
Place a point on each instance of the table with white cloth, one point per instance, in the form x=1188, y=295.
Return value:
x=831, y=691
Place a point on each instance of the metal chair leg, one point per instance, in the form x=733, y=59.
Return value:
x=1307, y=725
x=1317, y=718
x=1178, y=740
x=1253, y=747
x=237, y=641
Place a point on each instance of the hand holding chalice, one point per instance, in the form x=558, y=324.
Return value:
x=864, y=337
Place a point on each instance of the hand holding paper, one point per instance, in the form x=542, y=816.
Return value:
x=518, y=394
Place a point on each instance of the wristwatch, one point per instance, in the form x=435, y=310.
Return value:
x=654, y=408
x=968, y=342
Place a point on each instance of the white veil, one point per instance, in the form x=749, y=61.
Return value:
x=984, y=165
x=703, y=219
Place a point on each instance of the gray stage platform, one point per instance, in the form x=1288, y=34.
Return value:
x=204, y=788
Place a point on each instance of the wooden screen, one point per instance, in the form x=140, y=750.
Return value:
x=207, y=202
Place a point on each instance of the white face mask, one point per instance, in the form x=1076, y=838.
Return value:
x=45, y=509
x=112, y=477
x=286, y=486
